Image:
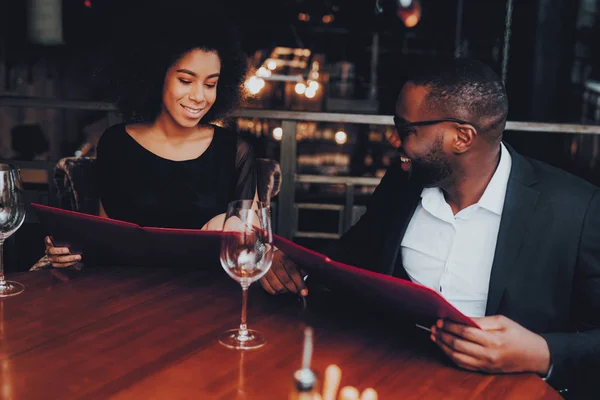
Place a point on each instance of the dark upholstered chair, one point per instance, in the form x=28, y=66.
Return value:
x=76, y=183
x=268, y=178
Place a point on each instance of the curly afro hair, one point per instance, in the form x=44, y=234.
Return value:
x=149, y=43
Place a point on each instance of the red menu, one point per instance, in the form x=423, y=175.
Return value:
x=421, y=303
x=106, y=241
x=112, y=242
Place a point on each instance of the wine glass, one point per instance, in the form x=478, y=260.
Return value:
x=12, y=215
x=246, y=256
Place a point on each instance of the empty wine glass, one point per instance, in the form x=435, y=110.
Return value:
x=246, y=256
x=12, y=215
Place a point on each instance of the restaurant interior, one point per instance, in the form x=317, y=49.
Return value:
x=318, y=111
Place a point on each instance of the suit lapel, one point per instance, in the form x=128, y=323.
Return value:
x=398, y=225
x=519, y=205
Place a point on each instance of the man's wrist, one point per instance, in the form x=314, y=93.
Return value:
x=542, y=361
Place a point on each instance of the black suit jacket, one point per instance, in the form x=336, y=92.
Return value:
x=546, y=269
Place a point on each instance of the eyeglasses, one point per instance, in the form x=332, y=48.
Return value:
x=404, y=126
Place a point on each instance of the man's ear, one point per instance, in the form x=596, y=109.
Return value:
x=464, y=139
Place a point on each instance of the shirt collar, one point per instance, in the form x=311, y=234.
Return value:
x=495, y=192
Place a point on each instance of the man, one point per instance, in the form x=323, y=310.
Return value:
x=508, y=240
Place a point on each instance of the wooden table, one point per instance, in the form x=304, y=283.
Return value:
x=128, y=333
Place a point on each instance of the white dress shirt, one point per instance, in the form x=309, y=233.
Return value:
x=453, y=254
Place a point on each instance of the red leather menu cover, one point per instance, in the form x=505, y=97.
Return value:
x=423, y=304
x=192, y=247
x=112, y=242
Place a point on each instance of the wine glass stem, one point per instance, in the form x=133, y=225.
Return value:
x=243, y=331
x=2, y=280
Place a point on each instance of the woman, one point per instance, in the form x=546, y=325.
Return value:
x=172, y=167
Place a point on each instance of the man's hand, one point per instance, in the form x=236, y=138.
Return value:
x=501, y=345
x=283, y=276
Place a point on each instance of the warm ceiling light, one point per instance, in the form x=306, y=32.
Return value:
x=303, y=17
x=263, y=72
x=271, y=64
x=313, y=85
x=277, y=133
x=300, y=88
x=409, y=11
x=310, y=93
x=255, y=84
x=411, y=21
x=341, y=137
x=327, y=19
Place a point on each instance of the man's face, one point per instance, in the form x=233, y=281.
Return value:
x=422, y=147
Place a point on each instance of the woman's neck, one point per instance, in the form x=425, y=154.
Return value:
x=166, y=126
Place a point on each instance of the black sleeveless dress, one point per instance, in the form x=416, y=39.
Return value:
x=138, y=186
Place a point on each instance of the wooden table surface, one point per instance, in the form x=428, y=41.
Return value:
x=133, y=333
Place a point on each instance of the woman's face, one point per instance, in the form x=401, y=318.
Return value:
x=190, y=87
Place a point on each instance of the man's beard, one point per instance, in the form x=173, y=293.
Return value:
x=433, y=168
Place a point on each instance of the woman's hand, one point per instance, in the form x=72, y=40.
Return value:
x=60, y=257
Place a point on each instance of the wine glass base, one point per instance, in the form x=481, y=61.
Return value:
x=254, y=340
x=11, y=288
